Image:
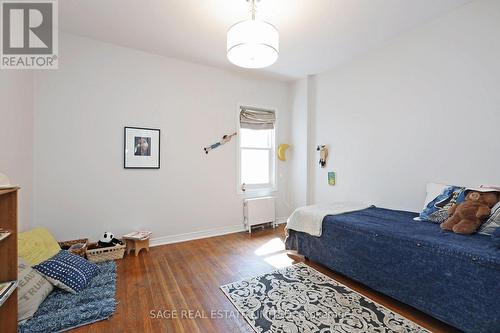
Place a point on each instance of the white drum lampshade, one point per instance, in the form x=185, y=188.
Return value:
x=252, y=44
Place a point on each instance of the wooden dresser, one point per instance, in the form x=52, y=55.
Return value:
x=8, y=258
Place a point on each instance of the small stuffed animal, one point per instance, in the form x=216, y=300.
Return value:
x=323, y=155
x=466, y=217
x=108, y=240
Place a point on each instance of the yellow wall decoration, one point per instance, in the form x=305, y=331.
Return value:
x=281, y=151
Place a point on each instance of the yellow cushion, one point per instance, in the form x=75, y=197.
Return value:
x=37, y=245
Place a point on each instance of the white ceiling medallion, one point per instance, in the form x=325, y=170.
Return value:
x=252, y=43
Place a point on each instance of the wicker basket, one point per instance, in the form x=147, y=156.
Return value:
x=65, y=245
x=98, y=254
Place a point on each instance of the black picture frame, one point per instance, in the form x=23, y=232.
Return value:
x=129, y=163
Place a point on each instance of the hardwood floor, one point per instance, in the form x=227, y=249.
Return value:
x=175, y=288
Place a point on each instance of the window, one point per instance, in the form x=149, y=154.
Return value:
x=256, y=149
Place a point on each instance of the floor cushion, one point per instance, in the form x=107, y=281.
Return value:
x=37, y=245
x=32, y=291
x=62, y=311
x=68, y=271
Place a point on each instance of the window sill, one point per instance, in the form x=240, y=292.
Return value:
x=257, y=192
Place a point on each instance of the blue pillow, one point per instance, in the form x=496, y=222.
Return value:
x=68, y=271
x=437, y=210
x=495, y=236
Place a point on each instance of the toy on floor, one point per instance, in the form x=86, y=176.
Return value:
x=467, y=216
x=281, y=151
x=225, y=139
x=108, y=240
x=323, y=155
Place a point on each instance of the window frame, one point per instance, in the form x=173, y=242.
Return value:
x=272, y=186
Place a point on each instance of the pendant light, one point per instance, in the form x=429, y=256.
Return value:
x=252, y=43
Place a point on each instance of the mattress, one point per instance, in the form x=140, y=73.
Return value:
x=455, y=278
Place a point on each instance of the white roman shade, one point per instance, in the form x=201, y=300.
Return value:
x=257, y=119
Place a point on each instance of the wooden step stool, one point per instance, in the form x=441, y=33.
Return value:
x=137, y=245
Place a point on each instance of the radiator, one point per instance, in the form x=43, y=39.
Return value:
x=259, y=211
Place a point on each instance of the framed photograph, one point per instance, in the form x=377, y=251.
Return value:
x=141, y=148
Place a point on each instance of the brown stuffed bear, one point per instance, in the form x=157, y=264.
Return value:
x=467, y=217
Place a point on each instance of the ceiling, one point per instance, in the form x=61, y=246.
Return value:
x=315, y=35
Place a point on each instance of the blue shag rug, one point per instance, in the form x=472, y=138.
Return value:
x=62, y=311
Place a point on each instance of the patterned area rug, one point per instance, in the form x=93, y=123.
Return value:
x=62, y=311
x=301, y=299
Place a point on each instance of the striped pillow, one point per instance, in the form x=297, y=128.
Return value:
x=493, y=221
x=68, y=271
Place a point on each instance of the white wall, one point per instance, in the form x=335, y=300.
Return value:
x=426, y=107
x=16, y=136
x=297, y=153
x=423, y=108
x=81, y=187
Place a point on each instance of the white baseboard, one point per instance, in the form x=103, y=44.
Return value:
x=281, y=220
x=196, y=235
x=202, y=234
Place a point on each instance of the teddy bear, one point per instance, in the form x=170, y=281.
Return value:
x=467, y=216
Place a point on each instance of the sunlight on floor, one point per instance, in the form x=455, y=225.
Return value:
x=273, y=246
x=279, y=261
x=275, y=252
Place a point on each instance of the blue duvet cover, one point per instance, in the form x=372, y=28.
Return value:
x=451, y=277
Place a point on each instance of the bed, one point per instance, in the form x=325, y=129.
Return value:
x=451, y=277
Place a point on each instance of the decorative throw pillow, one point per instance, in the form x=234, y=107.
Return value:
x=432, y=190
x=437, y=210
x=493, y=222
x=68, y=271
x=32, y=291
x=37, y=245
